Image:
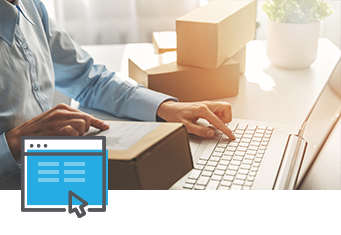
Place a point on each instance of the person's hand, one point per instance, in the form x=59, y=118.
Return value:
x=62, y=120
x=188, y=113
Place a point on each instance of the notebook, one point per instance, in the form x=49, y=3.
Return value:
x=265, y=155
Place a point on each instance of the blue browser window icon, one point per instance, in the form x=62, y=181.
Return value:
x=57, y=171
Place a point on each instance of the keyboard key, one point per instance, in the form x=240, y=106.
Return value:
x=236, y=187
x=233, y=144
x=228, y=153
x=261, y=127
x=189, y=181
x=238, y=136
x=201, y=162
x=247, y=136
x=211, y=163
x=265, y=143
x=194, y=174
x=251, y=127
x=221, y=167
x=224, y=162
x=254, y=168
x=206, y=173
x=255, y=143
x=253, y=173
x=236, y=163
x=259, y=155
x=217, y=154
x=219, y=172
x=266, y=139
x=199, y=167
x=267, y=135
x=246, y=188
x=249, y=157
x=239, y=153
x=256, y=165
x=203, y=180
x=215, y=159
x=256, y=139
x=249, y=132
x=234, y=168
x=271, y=128
x=228, y=177
x=242, y=126
x=253, y=148
x=246, y=167
x=258, y=160
x=251, y=152
x=223, y=187
x=229, y=172
x=237, y=140
x=232, y=125
x=241, y=177
x=189, y=186
x=199, y=187
x=209, y=168
x=232, y=149
x=226, y=183
x=239, y=182
x=248, y=183
x=239, y=132
x=242, y=149
x=248, y=162
x=262, y=147
x=216, y=177
x=243, y=171
x=221, y=145
x=260, y=131
x=205, y=157
x=244, y=145
x=238, y=158
x=245, y=140
x=258, y=135
x=219, y=149
x=261, y=152
x=226, y=158
x=212, y=185
x=250, y=178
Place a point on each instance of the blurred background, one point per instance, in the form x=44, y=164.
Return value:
x=128, y=21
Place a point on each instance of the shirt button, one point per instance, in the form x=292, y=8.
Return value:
x=36, y=86
x=24, y=45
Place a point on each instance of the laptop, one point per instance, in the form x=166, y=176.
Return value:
x=265, y=155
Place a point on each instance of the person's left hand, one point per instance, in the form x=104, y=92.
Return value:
x=188, y=113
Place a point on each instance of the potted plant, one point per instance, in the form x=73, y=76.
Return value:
x=293, y=31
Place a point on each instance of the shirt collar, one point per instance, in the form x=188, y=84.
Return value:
x=9, y=18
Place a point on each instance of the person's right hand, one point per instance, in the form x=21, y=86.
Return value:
x=62, y=120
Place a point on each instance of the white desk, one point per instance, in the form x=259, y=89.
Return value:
x=266, y=93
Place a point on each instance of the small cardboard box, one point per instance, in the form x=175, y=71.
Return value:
x=164, y=41
x=209, y=35
x=160, y=72
x=156, y=161
x=168, y=41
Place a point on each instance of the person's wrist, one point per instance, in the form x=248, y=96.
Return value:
x=164, y=108
x=14, y=143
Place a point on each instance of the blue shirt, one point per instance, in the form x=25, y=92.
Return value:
x=36, y=56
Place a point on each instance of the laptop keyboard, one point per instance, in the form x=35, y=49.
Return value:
x=232, y=165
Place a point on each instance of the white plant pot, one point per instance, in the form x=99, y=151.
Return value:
x=292, y=46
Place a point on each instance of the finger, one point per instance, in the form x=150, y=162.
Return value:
x=77, y=124
x=222, y=109
x=199, y=130
x=215, y=121
x=67, y=131
x=99, y=124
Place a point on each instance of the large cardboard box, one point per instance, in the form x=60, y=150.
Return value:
x=166, y=42
x=160, y=72
x=209, y=35
x=156, y=161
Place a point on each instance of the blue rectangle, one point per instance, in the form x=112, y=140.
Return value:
x=56, y=193
x=74, y=163
x=48, y=172
x=48, y=163
x=74, y=180
x=74, y=172
x=48, y=180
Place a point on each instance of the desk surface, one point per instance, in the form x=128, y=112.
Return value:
x=266, y=93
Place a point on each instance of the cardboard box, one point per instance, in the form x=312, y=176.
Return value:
x=156, y=161
x=168, y=40
x=160, y=72
x=164, y=41
x=209, y=35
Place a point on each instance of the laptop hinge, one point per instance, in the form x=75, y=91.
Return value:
x=291, y=163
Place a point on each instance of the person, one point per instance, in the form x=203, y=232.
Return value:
x=38, y=56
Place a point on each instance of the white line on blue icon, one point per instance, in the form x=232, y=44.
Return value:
x=74, y=172
x=74, y=180
x=74, y=163
x=48, y=163
x=48, y=172
x=49, y=180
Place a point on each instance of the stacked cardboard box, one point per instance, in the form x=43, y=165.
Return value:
x=210, y=53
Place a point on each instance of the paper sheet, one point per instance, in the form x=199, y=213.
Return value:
x=123, y=135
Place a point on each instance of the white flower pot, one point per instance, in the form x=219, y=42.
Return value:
x=292, y=46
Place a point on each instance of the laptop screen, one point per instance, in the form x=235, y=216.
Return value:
x=321, y=119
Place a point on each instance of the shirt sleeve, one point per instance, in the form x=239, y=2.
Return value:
x=94, y=86
x=8, y=166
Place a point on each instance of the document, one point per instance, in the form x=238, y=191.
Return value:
x=123, y=135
